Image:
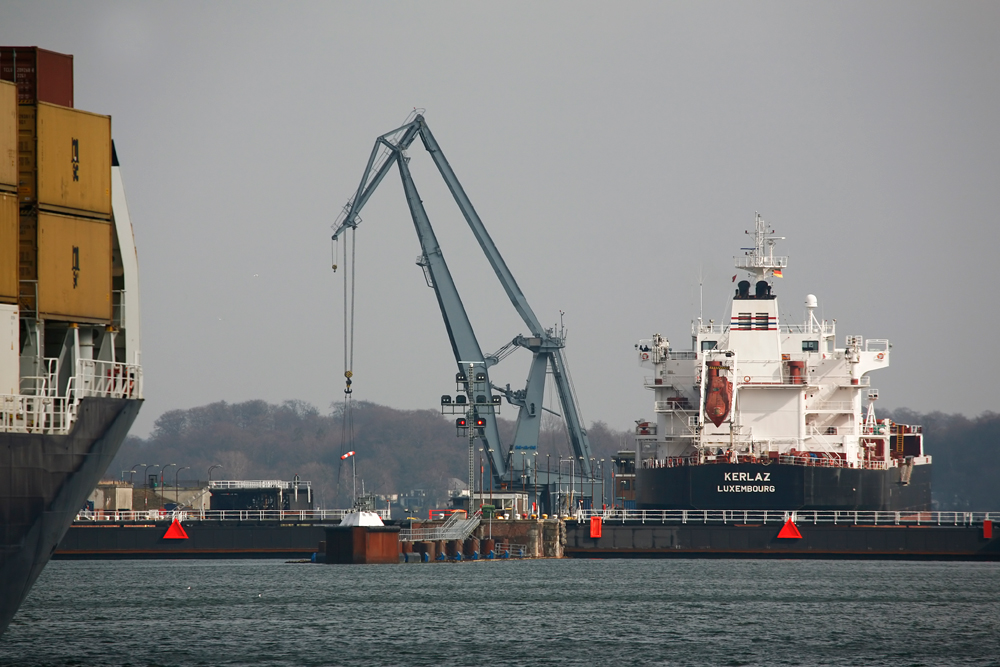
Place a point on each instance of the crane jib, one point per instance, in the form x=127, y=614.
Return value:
x=545, y=344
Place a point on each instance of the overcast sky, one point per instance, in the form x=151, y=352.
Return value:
x=615, y=151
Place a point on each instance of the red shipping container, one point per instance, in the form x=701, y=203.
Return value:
x=41, y=75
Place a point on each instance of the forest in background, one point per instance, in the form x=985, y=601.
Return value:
x=397, y=450
x=400, y=450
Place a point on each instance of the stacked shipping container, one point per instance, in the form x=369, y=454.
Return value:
x=65, y=235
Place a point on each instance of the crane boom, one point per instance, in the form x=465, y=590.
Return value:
x=544, y=344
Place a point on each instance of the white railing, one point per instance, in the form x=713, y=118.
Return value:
x=109, y=379
x=455, y=528
x=258, y=484
x=42, y=411
x=830, y=406
x=824, y=328
x=216, y=515
x=859, y=518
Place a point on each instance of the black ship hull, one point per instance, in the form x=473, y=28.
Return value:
x=782, y=487
x=44, y=481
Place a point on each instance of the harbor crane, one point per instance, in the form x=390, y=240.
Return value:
x=545, y=345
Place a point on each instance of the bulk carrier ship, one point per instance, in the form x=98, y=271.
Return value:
x=762, y=414
x=70, y=374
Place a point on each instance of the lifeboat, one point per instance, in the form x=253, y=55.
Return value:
x=719, y=395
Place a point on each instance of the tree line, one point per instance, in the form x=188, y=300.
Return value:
x=400, y=450
x=396, y=450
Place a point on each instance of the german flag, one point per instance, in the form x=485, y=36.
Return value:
x=777, y=273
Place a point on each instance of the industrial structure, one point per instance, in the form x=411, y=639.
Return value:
x=475, y=405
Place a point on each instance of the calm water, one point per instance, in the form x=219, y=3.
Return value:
x=509, y=613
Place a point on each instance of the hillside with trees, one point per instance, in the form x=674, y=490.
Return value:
x=399, y=450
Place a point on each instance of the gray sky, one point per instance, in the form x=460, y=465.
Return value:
x=615, y=152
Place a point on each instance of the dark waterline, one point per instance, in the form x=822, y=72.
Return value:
x=546, y=612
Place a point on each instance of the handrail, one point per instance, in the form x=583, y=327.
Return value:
x=101, y=516
x=838, y=517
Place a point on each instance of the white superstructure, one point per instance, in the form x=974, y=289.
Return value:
x=777, y=391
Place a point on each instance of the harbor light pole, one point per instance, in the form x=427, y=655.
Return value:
x=177, y=493
x=210, y=469
x=145, y=474
x=163, y=470
x=132, y=474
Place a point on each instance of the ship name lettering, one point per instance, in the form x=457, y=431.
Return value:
x=746, y=477
x=745, y=488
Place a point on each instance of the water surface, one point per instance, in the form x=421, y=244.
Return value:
x=543, y=612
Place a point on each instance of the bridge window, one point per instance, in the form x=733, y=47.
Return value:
x=810, y=346
x=708, y=344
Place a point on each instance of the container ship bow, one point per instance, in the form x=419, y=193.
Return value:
x=763, y=415
x=70, y=374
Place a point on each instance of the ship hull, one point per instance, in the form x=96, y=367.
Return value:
x=44, y=481
x=782, y=487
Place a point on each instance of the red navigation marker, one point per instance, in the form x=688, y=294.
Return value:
x=175, y=532
x=595, y=527
x=789, y=531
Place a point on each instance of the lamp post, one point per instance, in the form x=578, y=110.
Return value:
x=163, y=470
x=548, y=481
x=534, y=487
x=603, y=497
x=210, y=469
x=177, y=492
x=145, y=476
x=593, y=504
x=132, y=473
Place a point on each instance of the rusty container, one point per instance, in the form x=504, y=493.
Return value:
x=452, y=548
x=8, y=137
x=9, y=248
x=428, y=548
x=74, y=268
x=40, y=75
x=362, y=545
x=470, y=547
x=73, y=161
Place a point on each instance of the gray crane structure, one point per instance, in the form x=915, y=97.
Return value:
x=473, y=366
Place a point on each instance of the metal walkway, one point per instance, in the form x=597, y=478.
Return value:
x=455, y=528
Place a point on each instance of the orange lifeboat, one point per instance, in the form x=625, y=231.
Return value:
x=719, y=397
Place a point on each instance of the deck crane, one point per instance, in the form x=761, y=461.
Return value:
x=545, y=344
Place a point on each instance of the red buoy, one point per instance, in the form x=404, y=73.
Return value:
x=789, y=531
x=175, y=532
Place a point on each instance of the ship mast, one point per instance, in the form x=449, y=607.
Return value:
x=760, y=261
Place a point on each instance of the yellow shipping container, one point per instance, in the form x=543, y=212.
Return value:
x=74, y=268
x=26, y=114
x=73, y=161
x=8, y=248
x=8, y=136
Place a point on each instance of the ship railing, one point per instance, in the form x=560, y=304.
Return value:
x=455, y=528
x=258, y=484
x=800, y=517
x=110, y=516
x=825, y=328
x=21, y=413
x=106, y=379
x=830, y=462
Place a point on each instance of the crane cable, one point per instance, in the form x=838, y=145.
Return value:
x=347, y=422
